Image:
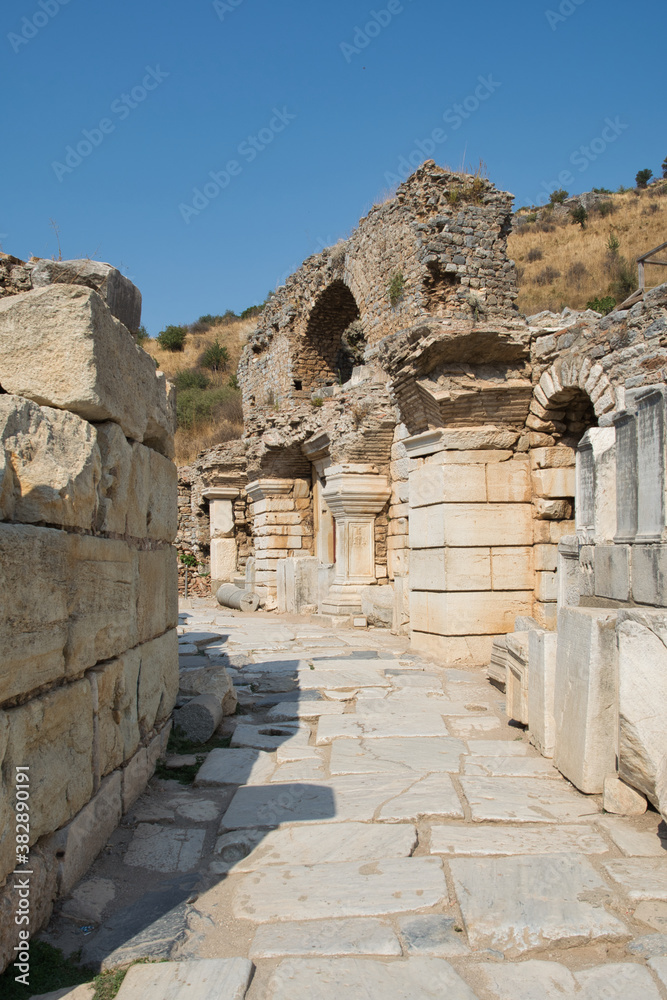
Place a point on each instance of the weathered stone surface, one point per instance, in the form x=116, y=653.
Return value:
x=510, y=767
x=496, y=840
x=63, y=348
x=517, y=904
x=396, y=756
x=653, y=914
x=205, y=979
x=363, y=936
x=271, y=736
x=525, y=981
x=235, y=767
x=286, y=710
x=114, y=689
x=209, y=680
x=121, y=296
x=631, y=841
x=542, y=658
x=165, y=848
x=342, y=678
x=644, y=878
x=432, y=935
x=345, y=842
x=659, y=965
x=157, y=593
x=462, y=614
x=434, y=795
x=43, y=890
x=524, y=800
x=89, y=900
x=619, y=798
x=367, y=726
x=50, y=466
x=340, y=890
x=158, y=680
x=199, y=718
x=415, y=979
x=310, y=769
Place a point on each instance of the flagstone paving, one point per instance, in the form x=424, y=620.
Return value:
x=377, y=829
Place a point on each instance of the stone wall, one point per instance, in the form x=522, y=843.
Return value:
x=88, y=501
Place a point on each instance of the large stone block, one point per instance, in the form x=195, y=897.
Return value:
x=116, y=504
x=596, y=485
x=469, y=650
x=516, y=644
x=450, y=569
x=462, y=614
x=121, y=296
x=642, y=676
x=157, y=593
x=224, y=557
x=43, y=889
x=298, y=584
x=512, y=568
x=436, y=484
x=542, y=652
x=586, y=697
x=50, y=465
x=158, y=680
x=612, y=572
x=558, y=457
x=508, y=482
x=53, y=736
x=649, y=574
x=60, y=346
x=117, y=733
x=546, y=587
x=471, y=525
x=554, y=483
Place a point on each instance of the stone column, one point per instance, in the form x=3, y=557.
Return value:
x=281, y=526
x=223, y=543
x=355, y=494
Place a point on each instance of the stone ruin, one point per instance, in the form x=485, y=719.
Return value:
x=88, y=515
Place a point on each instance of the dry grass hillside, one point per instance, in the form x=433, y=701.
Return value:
x=209, y=400
x=560, y=264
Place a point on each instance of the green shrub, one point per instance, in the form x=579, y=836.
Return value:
x=531, y=218
x=215, y=357
x=195, y=407
x=602, y=191
x=579, y=216
x=613, y=243
x=576, y=273
x=172, y=338
x=396, y=288
x=624, y=278
x=317, y=401
x=547, y=276
x=191, y=379
x=534, y=254
x=188, y=559
x=643, y=177
x=602, y=305
x=234, y=381
x=141, y=335
x=558, y=197
x=606, y=208
x=252, y=311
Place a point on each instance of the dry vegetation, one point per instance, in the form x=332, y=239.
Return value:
x=575, y=265
x=212, y=414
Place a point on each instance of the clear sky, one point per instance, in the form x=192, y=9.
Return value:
x=115, y=116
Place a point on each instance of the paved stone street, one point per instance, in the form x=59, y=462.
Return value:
x=376, y=829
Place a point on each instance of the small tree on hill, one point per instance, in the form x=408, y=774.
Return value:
x=215, y=357
x=172, y=338
x=643, y=177
x=558, y=197
x=580, y=216
x=664, y=167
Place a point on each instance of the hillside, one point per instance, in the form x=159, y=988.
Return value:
x=209, y=401
x=560, y=264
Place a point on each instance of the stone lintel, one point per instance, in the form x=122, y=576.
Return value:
x=265, y=489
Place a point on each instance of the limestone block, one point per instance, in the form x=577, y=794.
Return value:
x=121, y=296
x=552, y=510
x=516, y=645
x=199, y=718
x=463, y=614
x=554, y=483
x=114, y=688
x=482, y=457
x=586, y=696
x=162, y=514
x=546, y=587
x=157, y=593
x=486, y=437
x=436, y=484
x=158, y=680
x=649, y=574
x=377, y=605
x=43, y=889
x=642, y=672
x=596, y=485
x=53, y=736
x=450, y=569
x=135, y=777
x=661, y=787
x=470, y=650
x=497, y=669
x=558, y=457
x=78, y=843
x=546, y=614
x=209, y=680
x=224, y=557
x=508, y=482
x=546, y=558
x=60, y=346
x=115, y=504
x=542, y=651
x=512, y=568
x=651, y=463
x=570, y=584
x=50, y=465
x=471, y=525
x=612, y=572
x=621, y=799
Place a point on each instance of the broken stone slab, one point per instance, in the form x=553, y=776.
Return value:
x=542, y=657
x=270, y=736
x=340, y=679
x=417, y=978
x=642, y=878
x=371, y=726
x=310, y=769
x=552, y=981
x=619, y=798
x=340, y=890
x=313, y=709
x=498, y=748
x=209, y=680
x=653, y=914
x=433, y=935
x=60, y=346
x=199, y=718
x=487, y=841
x=393, y=756
x=242, y=766
x=205, y=979
x=524, y=800
x=165, y=848
x=649, y=945
x=189, y=806
x=632, y=842
x=434, y=795
x=413, y=703
x=89, y=900
x=363, y=936
x=514, y=905
x=473, y=726
x=121, y=296
x=315, y=845
x=511, y=767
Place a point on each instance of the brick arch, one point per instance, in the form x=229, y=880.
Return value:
x=571, y=395
x=320, y=360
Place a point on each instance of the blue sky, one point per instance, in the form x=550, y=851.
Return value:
x=304, y=121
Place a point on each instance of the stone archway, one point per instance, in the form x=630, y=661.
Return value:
x=324, y=356
x=567, y=390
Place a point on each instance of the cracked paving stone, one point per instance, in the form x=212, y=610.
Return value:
x=634, y=843
x=525, y=800
x=472, y=726
x=242, y=766
x=498, y=748
x=310, y=769
x=205, y=979
x=377, y=888
x=341, y=678
x=644, y=878
x=433, y=935
x=330, y=979
x=511, y=767
x=518, y=904
x=391, y=756
x=269, y=736
x=311, y=709
x=487, y=841
x=378, y=727
x=434, y=795
x=165, y=849
x=361, y=936
x=659, y=966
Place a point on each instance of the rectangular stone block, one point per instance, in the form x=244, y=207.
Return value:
x=542, y=650
x=224, y=558
x=642, y=673
x=121, y=296
x=649, y=574
x=157, y=593
x=114, y=691
x=450, y=569
x=555, y=483
x=509, y=482
x=612, y=572
x=298, y=584
x=512, y=568
x=651, y=463
x=468, y=613
x=60, y=346
x=158, y=680
x=436, y=484
x=626, y=477
x=469, y=650
x=546, y=587
x=557, y=457
x=516, y=645
x=272, y=505
x=464, y=525
x=586, y=697
x=596, y=485
x=545, y=614
x=546, y=557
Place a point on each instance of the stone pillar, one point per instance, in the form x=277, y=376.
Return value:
x=626, y=477
x=355, y=495
x=651, y=461
x=281, y=526
x=595, y=502
x=223, y=543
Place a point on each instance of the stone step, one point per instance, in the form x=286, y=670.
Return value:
x=206, y=979
x=331, y=979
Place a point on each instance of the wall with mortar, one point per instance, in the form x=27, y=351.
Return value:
x=88, y=578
